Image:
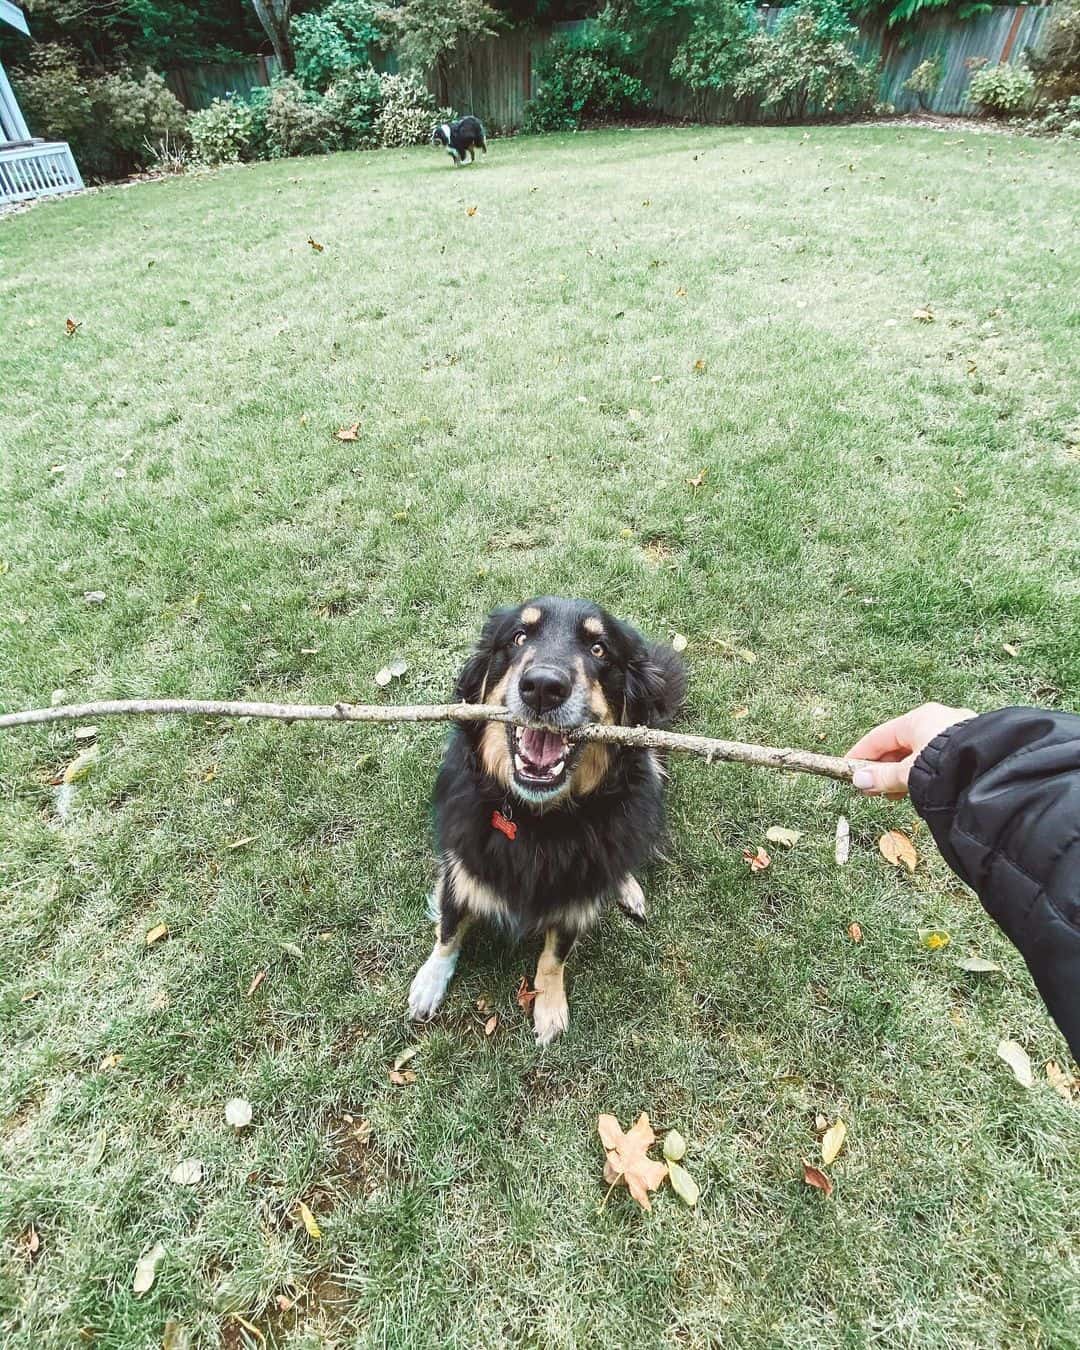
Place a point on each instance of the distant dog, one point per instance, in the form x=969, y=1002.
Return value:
x=461, y=138
x=535, y=831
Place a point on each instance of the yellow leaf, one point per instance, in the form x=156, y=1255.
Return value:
x=897, y=849
x=933, y=939
x=317, y=247
x=157, y=933
x=833, y=1141
x=674, y=1146
x=683, y=1184
x=110, y=1062
x=680, y=292
x=314, y=1231
x=80, y=766
x=146, y=1269
x=698, y=479
x=778, y=834
x=1016, y=1057
x=1063, y=1083
x=491, y=1024
x=471, y=211
x=700, y=367
x=349, y=433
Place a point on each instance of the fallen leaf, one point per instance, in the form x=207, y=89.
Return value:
x=680, y=292
x=679, y=643
x=833, y=1141
x=291, y=949
x=157, y=933
x=698, y=479
x=238, y=1113
x=740, y=712
x=283, y=1303
x=483, y=1004
x=843, y=841
x=1009, y=649
x=383, y=677
x=779, y=834
x=146, y=1269
x=1016, y=1057
x=978, y=963
x=187, y=1173
x=97, y=1149
x=317, y=247
x=398, y=667
x=700, y=367
x=85, y=733
x=854, y=932
x=410, y=1052
x=29, y=1244
x=471, y=211
x=175, y=1336
x=71, y=327
x=933, y=939
x=30, y=995
x=897, y=849
x=525, y=996
x=401, y=1079
x=210, y=774
x=813, y=1177
x=683, y=1184
x=349, y=433
x=314, y=1231
x=758, y=860
x=241, y=842
x=81, y=765
x=820, y=1124
x=94, y=597
x=491, y=1024
x=627, y=1157
x=924, y=315
x=110, y=1062
x=1063, y=1083
x=674, y=1146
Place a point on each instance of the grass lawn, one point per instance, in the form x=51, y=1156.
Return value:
x=886, y=503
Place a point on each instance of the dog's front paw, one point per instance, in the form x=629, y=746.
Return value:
x=429, y=986
x=551, y=1016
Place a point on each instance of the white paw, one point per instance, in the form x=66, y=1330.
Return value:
x=429, y=985
x=551, y=1017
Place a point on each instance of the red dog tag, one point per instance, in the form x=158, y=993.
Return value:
x=504, y=826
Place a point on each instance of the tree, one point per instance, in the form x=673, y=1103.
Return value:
x=274, y=17
x=429, y=30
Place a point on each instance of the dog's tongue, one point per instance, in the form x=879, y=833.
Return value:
x=542, y=748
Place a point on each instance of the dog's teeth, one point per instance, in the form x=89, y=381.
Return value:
x=519, y=764
x=557, y=768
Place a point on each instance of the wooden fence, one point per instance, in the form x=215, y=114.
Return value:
x=495, y=79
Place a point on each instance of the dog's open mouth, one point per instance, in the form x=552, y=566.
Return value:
x=541, y=758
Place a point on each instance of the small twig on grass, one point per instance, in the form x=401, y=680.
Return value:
x=707, y=747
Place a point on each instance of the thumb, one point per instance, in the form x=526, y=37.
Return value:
x=887, y=780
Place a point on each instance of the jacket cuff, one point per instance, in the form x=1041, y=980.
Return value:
x=925, y=788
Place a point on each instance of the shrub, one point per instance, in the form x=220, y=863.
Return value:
x=713, y=52
x=428, y=32
x=1057, y=119
x=289, y=120
x=222, y=133
x=109, y=120
x=586, y=80
x=331, y=41
x=1056, y=61
x=1002, y=89
x=806, y=67
x=407, y=111
x=351, y=105
x=924, y=79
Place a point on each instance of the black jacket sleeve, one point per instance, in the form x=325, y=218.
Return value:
x=1001, y=794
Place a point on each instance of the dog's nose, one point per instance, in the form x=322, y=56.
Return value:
x=544, y=688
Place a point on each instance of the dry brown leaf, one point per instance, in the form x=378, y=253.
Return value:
x=157, y=933
x=525, y=996
x=780, y=834
x=814, y=1177
x=256, y=982
x=700, y=367
x=471, y=211
x=758, y=859
x=491, y=1024
x=854, y=932
x=842, y=851
x=740, y=712
x=71, y=327
x=483, y=1004
x=627, y=1157
x=283, y=1303
x=401, y=1079
x=110, y=1062
x=1061, y=1080
x=1016, y=1057
x=897, y=849
x=317, y=247
x=241, y=842
x=349, y=433
x=1009, y=649
x=146, y=1269
x=924, y=315
x=698, y=479
x=28, y=1244
x=30, y=996
x=820, y=1124
x=187, y=1173
x=833, y=1141
x=679, y=642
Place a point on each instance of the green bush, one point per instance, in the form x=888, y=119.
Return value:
x=584, y=79
x=709, y=58
x=111, y=121
x=806, y=67
x=290, y=120
x=1002, y=89
x=351, y=105
x=924, y=80
x=222, y=133
x=1056, y=119
x=331, y=41
x=1056, y=61
x=406, y=113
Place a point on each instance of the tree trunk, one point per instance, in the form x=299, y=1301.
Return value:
x=274, y=17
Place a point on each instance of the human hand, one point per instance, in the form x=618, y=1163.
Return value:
x=895, y=745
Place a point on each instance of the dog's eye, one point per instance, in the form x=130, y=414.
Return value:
x=520, y=637
x=598, y=650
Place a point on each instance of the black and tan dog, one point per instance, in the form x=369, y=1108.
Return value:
x=534, y=831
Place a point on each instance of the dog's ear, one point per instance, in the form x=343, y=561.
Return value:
x=475, y=679
x=655, y=685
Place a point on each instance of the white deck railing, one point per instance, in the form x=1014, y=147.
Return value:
x=40, y=170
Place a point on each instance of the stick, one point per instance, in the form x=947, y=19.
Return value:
x=709, y=748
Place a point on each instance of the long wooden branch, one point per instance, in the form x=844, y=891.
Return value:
x=707, y=747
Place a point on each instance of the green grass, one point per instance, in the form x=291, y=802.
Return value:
x=887, y=502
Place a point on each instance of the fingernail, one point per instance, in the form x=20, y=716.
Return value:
x=863, y=779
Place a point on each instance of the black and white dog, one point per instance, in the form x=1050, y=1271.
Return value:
x=461, y=138
x=536, y=831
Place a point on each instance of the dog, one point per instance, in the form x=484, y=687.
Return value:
x=534, y=831
x=461, y=138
